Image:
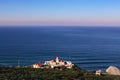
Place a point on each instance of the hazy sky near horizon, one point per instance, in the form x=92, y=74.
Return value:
x=60, y=12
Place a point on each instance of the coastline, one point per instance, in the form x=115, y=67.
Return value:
x=28, y=73
x=56, y=69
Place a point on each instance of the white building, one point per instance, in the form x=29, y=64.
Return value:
x=98, y=72
x=37, y=65
x=58, y=63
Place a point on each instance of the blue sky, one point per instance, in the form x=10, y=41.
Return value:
x=60, y=12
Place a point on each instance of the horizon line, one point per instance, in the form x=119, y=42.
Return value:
x=59, y=25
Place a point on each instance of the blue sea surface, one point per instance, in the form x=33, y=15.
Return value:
x=90, y=48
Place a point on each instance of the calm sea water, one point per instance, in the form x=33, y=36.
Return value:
x=90, y=48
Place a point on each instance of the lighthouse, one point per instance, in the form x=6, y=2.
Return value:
x=58, y=63
x=57, y=59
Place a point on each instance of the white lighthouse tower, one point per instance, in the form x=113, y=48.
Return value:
x=57, y=59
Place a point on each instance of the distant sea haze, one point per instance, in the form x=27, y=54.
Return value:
x=90, y=48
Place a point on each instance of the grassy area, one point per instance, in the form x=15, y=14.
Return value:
x=7, y=73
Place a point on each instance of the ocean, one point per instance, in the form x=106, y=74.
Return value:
x=90, y=48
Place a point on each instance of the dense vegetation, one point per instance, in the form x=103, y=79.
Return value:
x=7, y=73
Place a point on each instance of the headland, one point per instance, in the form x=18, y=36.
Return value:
x=53, y=70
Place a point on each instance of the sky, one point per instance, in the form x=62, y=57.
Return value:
x=60, y=12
